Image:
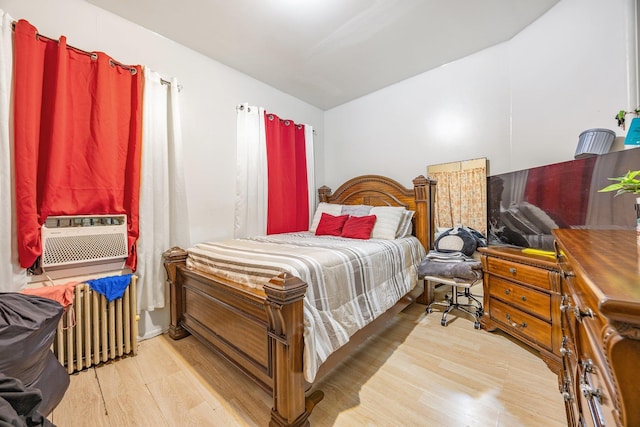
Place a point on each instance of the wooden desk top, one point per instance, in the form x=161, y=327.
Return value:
x=609, y=263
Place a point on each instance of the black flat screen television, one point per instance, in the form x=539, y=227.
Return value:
x=525, y=205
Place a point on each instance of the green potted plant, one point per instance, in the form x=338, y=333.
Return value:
x=628, y=183
x=622, y=114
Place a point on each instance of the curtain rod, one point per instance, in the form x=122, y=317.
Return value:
x=168, y=83
x=240, y=107
x=93, y=55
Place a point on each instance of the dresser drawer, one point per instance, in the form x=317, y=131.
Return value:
x=592, y=383
x=533, y=276
x=527, y=299
x=583, y=306
x=518, y=321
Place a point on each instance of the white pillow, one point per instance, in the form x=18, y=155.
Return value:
x=404, y=228
x=356, y=210
x=387, y=221
x=330, y=208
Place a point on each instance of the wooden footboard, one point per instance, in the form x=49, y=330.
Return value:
x=261, y=331
x=226, y=316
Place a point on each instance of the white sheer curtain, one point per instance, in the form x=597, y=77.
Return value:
x=164, y=218
x=251, y=172
x=12, y=276
x=311, y=175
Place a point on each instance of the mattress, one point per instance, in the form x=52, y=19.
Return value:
x=351, y=282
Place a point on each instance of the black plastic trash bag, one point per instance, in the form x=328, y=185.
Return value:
x=27, y=329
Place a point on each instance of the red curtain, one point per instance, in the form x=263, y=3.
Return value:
x=77, y=134
x=287, y=202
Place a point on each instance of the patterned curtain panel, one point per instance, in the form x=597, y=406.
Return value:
x=461, y=194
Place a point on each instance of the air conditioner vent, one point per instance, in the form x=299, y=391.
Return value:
x=71, y=249
x=83, y=239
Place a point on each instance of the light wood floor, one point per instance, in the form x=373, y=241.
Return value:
x=415, y=373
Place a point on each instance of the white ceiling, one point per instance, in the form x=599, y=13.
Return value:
x=328, y=52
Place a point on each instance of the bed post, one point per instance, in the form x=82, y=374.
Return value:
x=323, y=194
x=424, y=194
x=284, y=306
x=424, y=191
x=172, y=258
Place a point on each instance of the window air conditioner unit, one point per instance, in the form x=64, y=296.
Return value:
x=79, y=240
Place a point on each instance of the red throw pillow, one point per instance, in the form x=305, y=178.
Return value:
x=359, y=227
x=330, y=225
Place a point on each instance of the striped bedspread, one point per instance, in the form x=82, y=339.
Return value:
x=351, y=282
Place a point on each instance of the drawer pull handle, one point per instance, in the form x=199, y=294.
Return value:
x=593, y=395
x=590, y=393
x=564, y=351
x=514, y=324
x=523, y=298
x=512, y=270
x=518, y=325
x=582, y=314
x=507, y=291
x=587, y=368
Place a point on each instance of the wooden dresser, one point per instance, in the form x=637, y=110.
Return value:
x=601, y=326
x=522, y=298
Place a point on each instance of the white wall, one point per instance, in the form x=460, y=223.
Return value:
x=568, y=73
x=521, y=104
x=455, y=112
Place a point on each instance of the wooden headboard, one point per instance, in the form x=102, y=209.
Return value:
x=376, y=190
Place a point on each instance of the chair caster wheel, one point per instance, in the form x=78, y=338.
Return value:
x=476, y=325
x=443, y=322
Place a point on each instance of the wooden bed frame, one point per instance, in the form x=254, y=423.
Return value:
x=261, y=331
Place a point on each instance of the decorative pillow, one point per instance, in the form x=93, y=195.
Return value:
x=356, y=210
x=405, y=227
x=330, y=225
x=359, y=227
x=388, y=219
x=323, y=207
